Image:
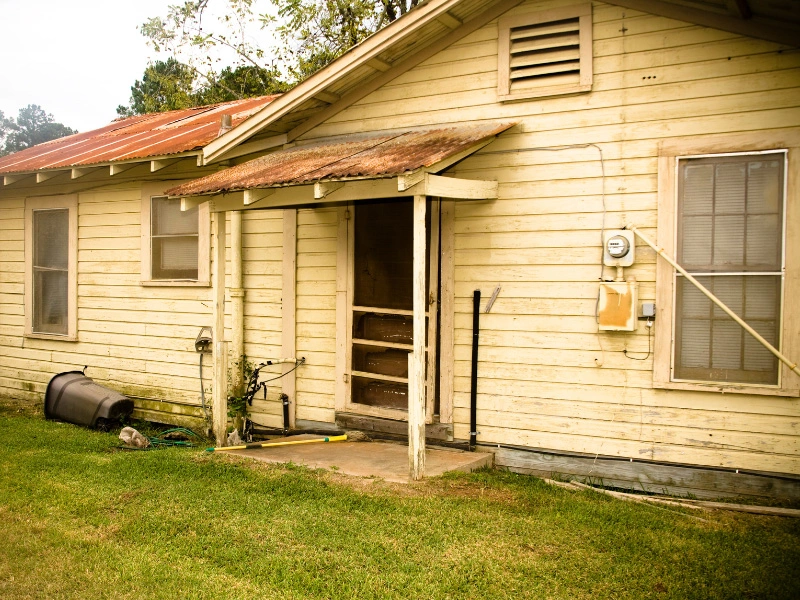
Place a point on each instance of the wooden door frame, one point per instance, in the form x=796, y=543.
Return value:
x=344, y=319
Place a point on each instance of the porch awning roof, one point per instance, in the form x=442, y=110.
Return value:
x=379, y=154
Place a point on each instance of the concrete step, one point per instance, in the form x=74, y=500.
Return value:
x=384, y=460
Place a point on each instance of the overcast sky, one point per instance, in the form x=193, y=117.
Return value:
x=76, y=59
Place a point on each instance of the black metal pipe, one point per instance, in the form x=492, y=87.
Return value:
x=473, y=392
x=285, y=401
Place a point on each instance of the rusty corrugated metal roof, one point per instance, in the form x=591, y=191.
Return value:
x=138, y=137
x=374, y=154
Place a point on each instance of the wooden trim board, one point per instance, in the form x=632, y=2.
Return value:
x=640, y=476
x=433, y=431
x=447, y=312
x=669, y=153
x=288, y=310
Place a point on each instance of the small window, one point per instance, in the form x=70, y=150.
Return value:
x=173, y=239
x=730, y=237
x=51, y=267
x=175, y=242
x=545, y=54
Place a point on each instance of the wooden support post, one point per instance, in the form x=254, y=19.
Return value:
x=447, y=311
x=343, y=312
x=220, y=382
x=237, y=298
x=432, y=302
x=288, y=309
x=416, y=360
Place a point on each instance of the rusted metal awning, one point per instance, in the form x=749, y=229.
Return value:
x=134, y=138
x=374, y=155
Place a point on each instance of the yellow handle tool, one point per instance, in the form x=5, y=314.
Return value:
x=334, y=438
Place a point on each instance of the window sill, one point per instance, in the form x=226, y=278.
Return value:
x=725, y=388
x=175, y=283
x=51, y=336
x=545, y=92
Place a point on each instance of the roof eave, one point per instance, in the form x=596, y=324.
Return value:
x=114, y=167
x=772, y=32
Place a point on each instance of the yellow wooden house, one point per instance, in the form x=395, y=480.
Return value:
x=579, y=165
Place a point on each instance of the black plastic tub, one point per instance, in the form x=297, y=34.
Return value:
x=75, y=398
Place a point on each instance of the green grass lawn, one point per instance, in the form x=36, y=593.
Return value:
x=80, y=518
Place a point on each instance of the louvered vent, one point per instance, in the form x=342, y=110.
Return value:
x=547, y=54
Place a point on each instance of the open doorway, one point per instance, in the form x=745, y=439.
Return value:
x=380, y=311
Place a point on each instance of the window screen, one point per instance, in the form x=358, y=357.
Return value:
x=50, y=271
x=174, y=239
x=730, y=236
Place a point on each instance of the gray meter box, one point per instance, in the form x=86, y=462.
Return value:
x=618, y=248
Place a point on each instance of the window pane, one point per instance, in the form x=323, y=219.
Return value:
x=765, y=186
x=50, y=290
x=167, y=218
x=697, y=236
x=175, y=258
x=756, y=356
x=51, y=238
x=762, y=295
x=698, y=189
x=712, y=346
x=729, y=242
x=694, y=304
x=695, y=348
x=726, y=349
x=729, y=189
x=763, y=247
x=728, y=289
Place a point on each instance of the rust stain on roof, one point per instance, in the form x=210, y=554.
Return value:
x=375, y=154
x=138, y=137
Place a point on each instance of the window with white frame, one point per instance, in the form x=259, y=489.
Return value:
x=51, y=231
x=546, y=53
x=730, y=237
x=175, y=243
x=173, y=240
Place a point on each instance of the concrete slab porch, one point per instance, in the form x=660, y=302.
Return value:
x=384, y=460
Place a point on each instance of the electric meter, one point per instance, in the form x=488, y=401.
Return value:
x=617, y=246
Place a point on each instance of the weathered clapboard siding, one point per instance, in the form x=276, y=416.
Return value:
x=14, y=380
x=134, y=338
x=316, y=313
x=547, y=378
x=262, y=253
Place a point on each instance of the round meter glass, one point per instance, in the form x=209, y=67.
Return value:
x=617, y=246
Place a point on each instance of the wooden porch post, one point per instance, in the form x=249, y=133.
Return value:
x=416, y=360
x=220, y=382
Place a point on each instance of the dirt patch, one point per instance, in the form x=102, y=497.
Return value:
x=20, y=406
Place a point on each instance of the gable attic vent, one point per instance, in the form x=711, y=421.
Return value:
x=545, y=54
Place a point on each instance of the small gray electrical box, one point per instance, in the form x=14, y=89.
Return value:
x=649, y=310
